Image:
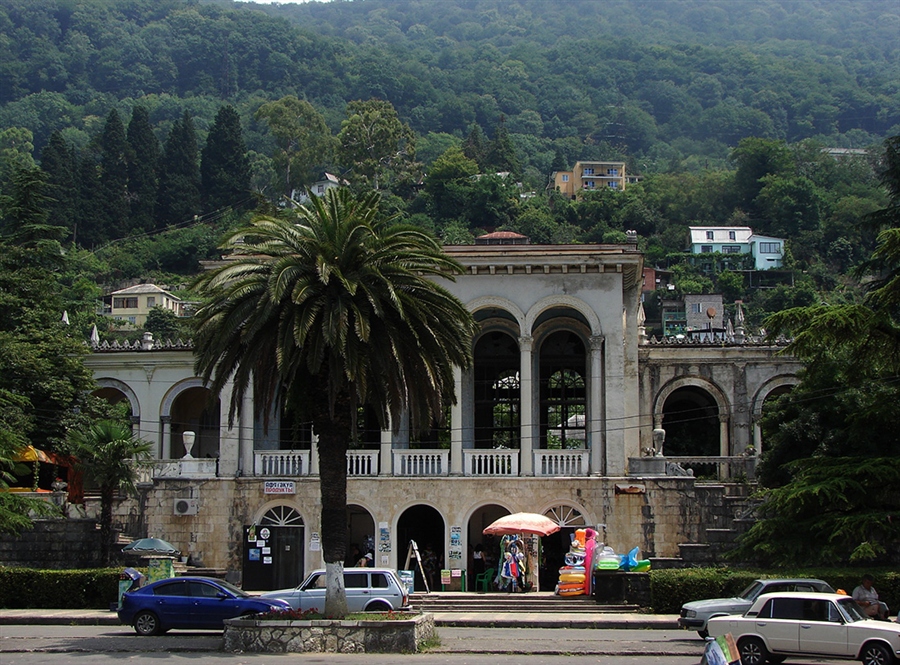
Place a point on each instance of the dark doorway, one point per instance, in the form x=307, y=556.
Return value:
x=425, y=526
x=273, y=551
x=691, y=421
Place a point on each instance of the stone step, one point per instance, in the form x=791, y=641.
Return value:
x=494, y=602
x=720, y=536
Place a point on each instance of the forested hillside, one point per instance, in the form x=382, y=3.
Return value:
x=158, y=123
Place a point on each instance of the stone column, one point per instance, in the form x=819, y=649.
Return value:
x=724, y=442
x=456, y=426
x=385, y=456
x=165, y=437
x=229, y=449
x=594, y=422
x=527, y=439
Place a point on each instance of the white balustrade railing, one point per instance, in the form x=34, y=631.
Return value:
x=561, y=462
x=491, y=462
x=362, y=462
x=421, y=462
x=723, y=468
x=281, y=463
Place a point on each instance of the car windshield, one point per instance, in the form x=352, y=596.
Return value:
x=233, y=589
x=752, y=591
x=850, y=610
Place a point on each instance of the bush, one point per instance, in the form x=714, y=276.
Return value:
x=672, y=588
x=58, y=589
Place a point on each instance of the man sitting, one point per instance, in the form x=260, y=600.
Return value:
x=867, y=598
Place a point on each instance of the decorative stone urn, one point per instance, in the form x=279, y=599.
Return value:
x=328, y=635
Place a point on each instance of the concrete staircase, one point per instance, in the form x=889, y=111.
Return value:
x=511, y=603
x=727, y=511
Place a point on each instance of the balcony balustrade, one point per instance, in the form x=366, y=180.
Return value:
x=491, y=462
x=561, y=462
x=281, y=463
x=362, y=463
x=421, y=462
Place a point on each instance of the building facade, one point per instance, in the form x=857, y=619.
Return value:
x=556, y=416
x=589, y=176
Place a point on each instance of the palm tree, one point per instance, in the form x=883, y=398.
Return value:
x=108, y=451
x=327, y=312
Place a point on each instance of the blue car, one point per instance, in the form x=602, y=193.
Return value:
x=189, y=602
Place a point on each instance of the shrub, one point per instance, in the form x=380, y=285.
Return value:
x=58, y=589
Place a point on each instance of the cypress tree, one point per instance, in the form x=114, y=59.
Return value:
x=501, y=153
x=143, y=160
x=475, y=146
x=178, y=198
x=224, y=166
x=86, y=230
x=59, y=162
x=112, y=194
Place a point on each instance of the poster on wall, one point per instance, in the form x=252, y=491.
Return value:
x=384, y=537
x=455, y=551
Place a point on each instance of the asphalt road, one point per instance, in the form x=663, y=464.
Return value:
x=81, y=645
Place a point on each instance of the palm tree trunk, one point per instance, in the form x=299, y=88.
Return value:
x=333, y=431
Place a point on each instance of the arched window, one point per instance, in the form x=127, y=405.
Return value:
x=563, y=414
x=497, y=397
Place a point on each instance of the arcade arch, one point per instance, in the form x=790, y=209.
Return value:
x=187, y=407
x=770, y=390
x=115, y=391
x=361, y=535
x=694, y=413
x=556, y=545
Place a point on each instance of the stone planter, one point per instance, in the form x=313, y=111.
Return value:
x=338, y=636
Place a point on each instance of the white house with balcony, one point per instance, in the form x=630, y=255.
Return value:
x=767, y=252
x=134, y=303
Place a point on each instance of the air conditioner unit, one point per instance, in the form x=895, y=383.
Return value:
x=186, y=506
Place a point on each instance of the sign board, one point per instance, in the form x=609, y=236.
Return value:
x=279, y=487
x=407, y=578
x=445, y=576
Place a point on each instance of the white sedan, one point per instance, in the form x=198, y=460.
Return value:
x=803, y=624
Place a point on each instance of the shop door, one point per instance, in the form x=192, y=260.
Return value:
x=272, y=557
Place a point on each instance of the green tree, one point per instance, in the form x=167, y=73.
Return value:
x=109, y=452
x=375, y=144
x=112, y=190
x=756, y=158
x=60, y=163
x=501, y=154
x=143, y=162
x=224, y=165
x=446, y=184
x=303, y=140
x=178, y=197
x=328, y=311
x=475, y=147
x=842, y=414
x=163, y=323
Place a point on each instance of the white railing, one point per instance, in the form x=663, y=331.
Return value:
x=362, y=462
x=421, y=462
x=281, y=463
x=491, y=462
x=561, y=462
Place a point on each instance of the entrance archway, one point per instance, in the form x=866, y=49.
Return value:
x=490, y=545
x=424, y=525
x=360, y=535
x=273, y=550
x=555, y=546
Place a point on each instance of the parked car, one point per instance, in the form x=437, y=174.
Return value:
x=189, y=602
x=695, y=614
x=808, y=625
x=368, y=590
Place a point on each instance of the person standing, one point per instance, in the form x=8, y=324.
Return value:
x=867, y=598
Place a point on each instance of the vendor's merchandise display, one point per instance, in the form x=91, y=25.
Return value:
x=586, y=554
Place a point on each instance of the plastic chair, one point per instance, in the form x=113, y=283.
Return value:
x=483, y=580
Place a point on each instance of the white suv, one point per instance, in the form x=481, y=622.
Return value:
x=368, y=590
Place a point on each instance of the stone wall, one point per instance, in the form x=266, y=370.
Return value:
x=53, y=544
x=369, y=636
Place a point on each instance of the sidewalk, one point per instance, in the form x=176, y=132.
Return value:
x=631, y=621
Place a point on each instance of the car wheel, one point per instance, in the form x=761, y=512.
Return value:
x=876, y=654
x=703, y=633
x=753, y=651
x=378, y=607
x=146, y=623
